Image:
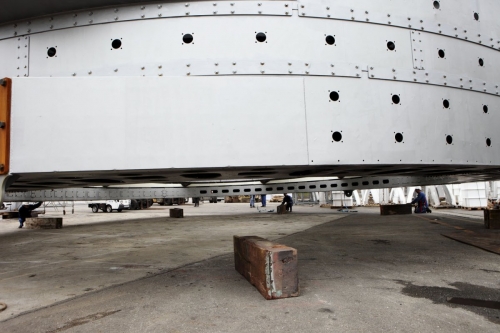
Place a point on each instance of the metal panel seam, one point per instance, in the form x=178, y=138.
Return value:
x=305, y=115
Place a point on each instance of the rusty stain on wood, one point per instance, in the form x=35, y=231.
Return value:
x=44, y=223
x=272, y=268
x=5, y=103
x=492, y=219
x=176, y=212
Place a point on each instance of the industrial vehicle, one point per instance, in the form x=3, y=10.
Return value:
x=107, y=206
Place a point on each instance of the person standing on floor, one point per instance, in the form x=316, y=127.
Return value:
x=252, y=201
x=263, y=197
x=25, y=211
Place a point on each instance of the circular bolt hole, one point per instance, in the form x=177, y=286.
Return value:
x=488, y=142
x=476, y=16
x=481, y=62
x=437, y=4
x=187, y=38
x=337, y=136
x=399, y=137
x=446, y=103
x=330, y=40
x=396, y=99
x=485, y=108
x=441, y=53
x=51, y=52
x=449, y=139
x=334, y=96
x=261, y=37
x=391, y=46
x=116, y=44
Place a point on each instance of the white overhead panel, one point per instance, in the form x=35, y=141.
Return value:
x=381, y=122
x=180, y=92
x=146, y=12
x=155, y=122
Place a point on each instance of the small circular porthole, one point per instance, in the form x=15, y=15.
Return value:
x=187, y=38
x=116, y=44
x=437, y=4
x=261, y=37
x=330, y=40
x=481, y=62
x=449, y=139
x=488, y=142
x=51, y=52
x=391, y=46
x=334, y=96
x=441, y=53
x=399, y=137
x=446, y=103
x=396, y=99
x=337, y=136
x=485, y=108
x=476, y=16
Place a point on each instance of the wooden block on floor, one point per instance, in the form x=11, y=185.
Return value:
x=177, y=212
x=492, y=219
x=10, y=215
x=281, y=209
x=44, y=223
x=395, y=209
x=272, y=268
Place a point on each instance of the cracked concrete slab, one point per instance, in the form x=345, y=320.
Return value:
x=360, y=273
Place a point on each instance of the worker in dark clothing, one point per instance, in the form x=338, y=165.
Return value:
x=25, y=211
x=263, y=199
x=421, y=201
x=288, y=202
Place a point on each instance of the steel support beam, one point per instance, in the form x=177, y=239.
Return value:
x=112, y=193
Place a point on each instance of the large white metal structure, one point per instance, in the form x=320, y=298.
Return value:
x=249, y=90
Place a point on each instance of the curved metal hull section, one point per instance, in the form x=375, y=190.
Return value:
x=332, y=90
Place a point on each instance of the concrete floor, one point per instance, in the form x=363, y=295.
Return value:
x=141, y=271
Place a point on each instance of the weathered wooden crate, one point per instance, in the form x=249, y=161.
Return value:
x=272, y=268
x=492, y=219
x=44, y=223
x=281, y=209
x=395, y=209
x=177, y=212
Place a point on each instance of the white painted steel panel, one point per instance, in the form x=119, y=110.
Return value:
x=146, y=11
x=156, y=45
x=368, y=120
x=460, y=58
x=146, y=123
x=454, y=18
x=8, y=58
x=489, y=23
